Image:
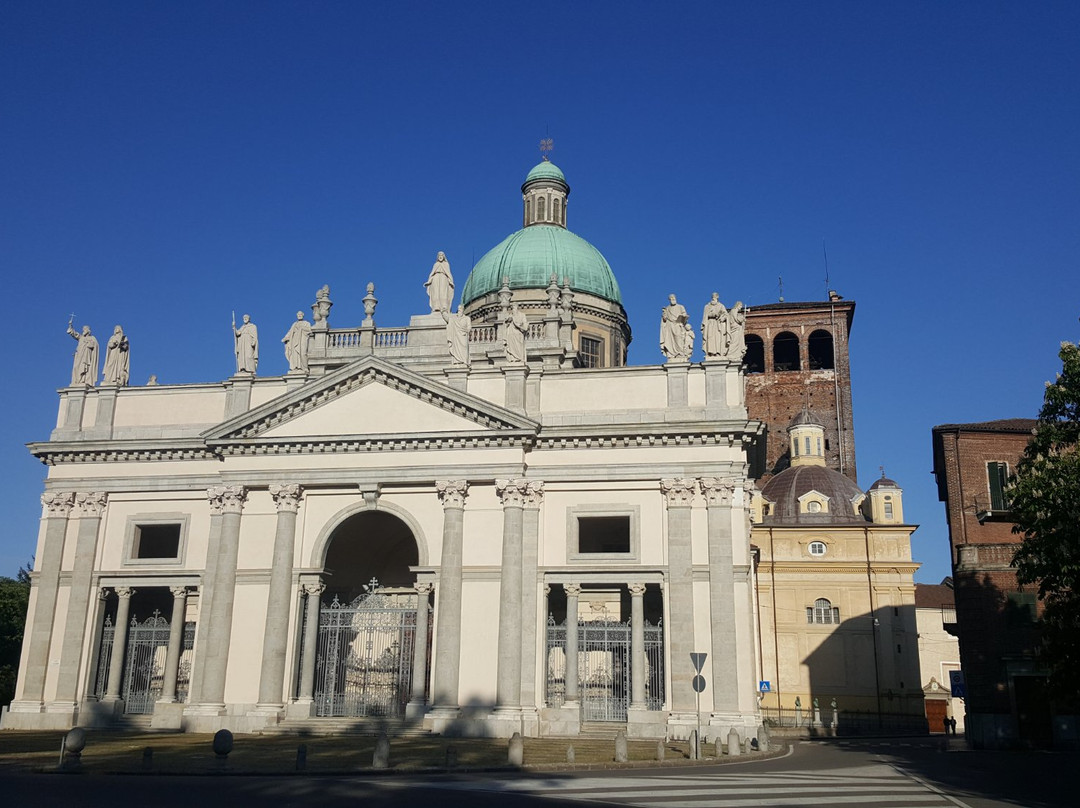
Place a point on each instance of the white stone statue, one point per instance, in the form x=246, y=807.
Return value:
x=296, y=343
x=440, y=285
x=516, y=327
x=117, y=359
x=247, y=346
x=458, y=327
x=736, y=332
x=84, y=371
x=713, y=321
x=676, y=335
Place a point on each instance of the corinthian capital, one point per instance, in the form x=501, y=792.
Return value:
x=452, y=492
x=91, y=503
x=534, y=494
x=512, y=492
x=286, y=497
x=679, y=491
x=718, y=490
x=57, y=503
x=226, y=498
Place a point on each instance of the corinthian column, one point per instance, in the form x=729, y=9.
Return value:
x=229, y=502
x=531, y=618
x=312, y=590
x=276, y=634
x=508, y=677
x=119, y=644
x=637, y=646
x=448, y=595
x=43, y=602
x=725, y=672
x=679, y=494
x=573, y=594
x=90, y=507
x=420, y=651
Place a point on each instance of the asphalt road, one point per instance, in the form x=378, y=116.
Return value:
x=898, y=773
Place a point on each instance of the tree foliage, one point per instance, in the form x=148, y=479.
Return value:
x=1045, y=503
x=14, y=598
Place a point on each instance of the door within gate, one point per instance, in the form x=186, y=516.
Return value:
x=604, y=668
x=364, y=659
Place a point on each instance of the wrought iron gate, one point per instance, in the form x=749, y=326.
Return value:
x=363, y=664
x=146, y=650
x=604, y=667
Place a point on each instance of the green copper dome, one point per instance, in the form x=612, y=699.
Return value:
x=530, y=256
x=545, y=171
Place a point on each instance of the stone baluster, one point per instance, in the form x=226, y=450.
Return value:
x=90, y=507
x=176, y=643
x=119, y=644
x=420, y=650
x=45, y=583
x=448, y=595
x=679, y=494
x=229, y=500
x=725, y=672
x=276, y=633
x=637, y=646
x=573, y=593
x=312, y=590
x=508, y=677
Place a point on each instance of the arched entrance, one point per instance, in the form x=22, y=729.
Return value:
x=368, y=619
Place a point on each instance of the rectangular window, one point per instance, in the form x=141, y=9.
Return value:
x=156, y=538
x=156, y=541
x=888, y=509
x=589, y=352
x=998, y=476
x=1020, y=608
x=806, y=449
x=603, y=534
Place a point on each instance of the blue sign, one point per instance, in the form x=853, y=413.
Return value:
x=764, y=687
x=956, y=684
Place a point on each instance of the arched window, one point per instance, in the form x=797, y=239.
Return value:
x=540, y=209
x=755, y=354
x=528, y=211
x=556, y=210
x=822, y=613
x=785, y=352
x=820, y=349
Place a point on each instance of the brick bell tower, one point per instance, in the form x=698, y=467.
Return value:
x=796, y=358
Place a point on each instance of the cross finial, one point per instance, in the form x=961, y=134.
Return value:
x=546, y=145
x=371, y=585
x=882, y=470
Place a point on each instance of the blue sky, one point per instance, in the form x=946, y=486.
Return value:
x=164, y=164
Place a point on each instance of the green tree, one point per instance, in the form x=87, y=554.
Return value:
x=14, y=598
x=1045, y=502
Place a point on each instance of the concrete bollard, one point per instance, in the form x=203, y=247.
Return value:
x=763, y=738
x=571, y=755
x=621, y=753
x=516, y=752
x=451, y=756
x=695, y=747
x=71, y=750
x=381, y=758
x=718, y=745
x=301, y=757
x=746, y=746
x=661, y=750
x=148, y=759
x=223, y=745
x=733, y=745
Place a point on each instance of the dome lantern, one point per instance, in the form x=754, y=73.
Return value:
x=544, y=194
x=806, y=440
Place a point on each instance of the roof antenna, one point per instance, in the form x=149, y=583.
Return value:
x=780, y=279
x=826, y=254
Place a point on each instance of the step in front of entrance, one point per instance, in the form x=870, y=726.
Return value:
x=343, y=726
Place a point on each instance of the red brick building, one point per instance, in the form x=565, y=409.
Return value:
x=796, y=358
x=1006, y=700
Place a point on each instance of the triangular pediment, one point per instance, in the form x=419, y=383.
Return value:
x=368, y=398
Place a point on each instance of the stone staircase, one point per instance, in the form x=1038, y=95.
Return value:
x=395, y=727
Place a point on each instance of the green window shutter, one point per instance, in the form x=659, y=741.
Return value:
x=997, y=474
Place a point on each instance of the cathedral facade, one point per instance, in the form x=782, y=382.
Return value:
x=481, y=523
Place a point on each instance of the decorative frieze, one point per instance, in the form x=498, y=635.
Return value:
x=91, y=503
x=718, y=491
x=452, y=492
x=512, y=493
x=57, y=504
x=286, y=497
x=679, y=491
x=226, y=499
